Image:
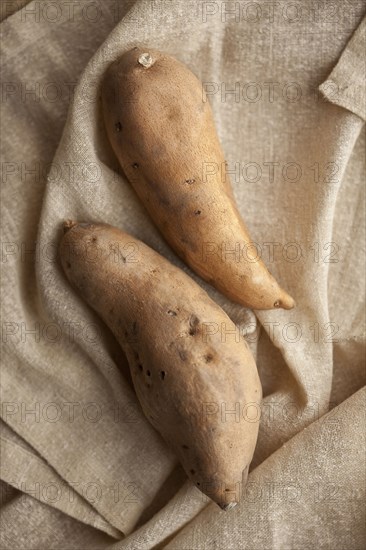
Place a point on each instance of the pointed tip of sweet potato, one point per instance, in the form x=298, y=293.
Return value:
x=285, y=302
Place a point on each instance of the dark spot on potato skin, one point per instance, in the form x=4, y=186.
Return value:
x=118, y=127
x=183, y=355
x=174, y=113
x=185, y=447
x=208, y=357
x=193, y=325
x=162, y=374
x=163, y=200
x=135, y=165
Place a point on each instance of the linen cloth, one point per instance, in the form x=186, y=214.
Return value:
x=81, y=466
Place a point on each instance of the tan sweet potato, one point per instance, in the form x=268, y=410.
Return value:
x=196, y=381
x=162, y=131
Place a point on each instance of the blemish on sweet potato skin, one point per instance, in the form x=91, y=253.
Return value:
x=193, y=325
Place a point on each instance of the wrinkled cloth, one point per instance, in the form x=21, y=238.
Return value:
x=80, y=464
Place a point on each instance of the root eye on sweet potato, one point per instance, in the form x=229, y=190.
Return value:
x=161, y=128
x=189, y=375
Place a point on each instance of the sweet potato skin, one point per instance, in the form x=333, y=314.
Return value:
x=189, y=371
x=162, y=130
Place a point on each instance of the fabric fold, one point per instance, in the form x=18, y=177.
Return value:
x=346, y=85
x=305, y=487
x=30, y=474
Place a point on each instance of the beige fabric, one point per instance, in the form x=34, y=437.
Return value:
x=304, y=139
x=346, y=84
x=8, y=7
x=28, y=524
x=283, y=508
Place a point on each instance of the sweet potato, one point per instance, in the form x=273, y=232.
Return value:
x=196, y=381
x=161, y=128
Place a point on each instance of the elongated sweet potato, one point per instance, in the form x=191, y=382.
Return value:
x=196, y=381
x=162, y=131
